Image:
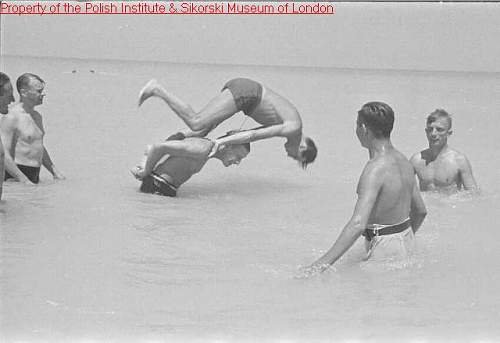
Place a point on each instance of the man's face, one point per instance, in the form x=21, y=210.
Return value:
x=295, y=149
x=233, y=154
x=437, y=132
x=34, y=92
x=6, y=98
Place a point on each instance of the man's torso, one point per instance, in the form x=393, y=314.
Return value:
x=178, y=169
x=274, y=109
x=28, y=150
x=442, y=172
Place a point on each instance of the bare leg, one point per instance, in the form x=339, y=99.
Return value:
x=216, y=111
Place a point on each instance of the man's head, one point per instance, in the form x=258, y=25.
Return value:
x=438, y=128
x=30, y=88
x=374, y=118
x=233, y=154
x=6, y=93
x=304, y=150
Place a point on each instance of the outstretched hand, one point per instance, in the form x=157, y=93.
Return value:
x=138, y=172
x=215, y=148
x=310, y=271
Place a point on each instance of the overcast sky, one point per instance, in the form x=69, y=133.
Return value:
x=422, y=36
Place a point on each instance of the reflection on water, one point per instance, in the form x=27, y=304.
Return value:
x=92, y=258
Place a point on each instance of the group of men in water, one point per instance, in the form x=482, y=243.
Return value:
x=389, y=208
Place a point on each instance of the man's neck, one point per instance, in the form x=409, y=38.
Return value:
x=28, y=107
x=379, y=146
x=435, y=151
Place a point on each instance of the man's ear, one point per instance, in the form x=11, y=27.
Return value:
x=450, y=132
x=364, y=128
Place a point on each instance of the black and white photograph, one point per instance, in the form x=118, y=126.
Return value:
x=232, y=171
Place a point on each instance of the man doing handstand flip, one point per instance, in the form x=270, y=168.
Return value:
x=277, y=115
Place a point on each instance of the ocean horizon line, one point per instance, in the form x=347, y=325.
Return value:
x=284, y=66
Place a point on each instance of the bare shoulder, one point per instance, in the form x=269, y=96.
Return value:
x=459, y=157
x=374, y=169
x=11, y=118
x=16, y=109
x=417, y=158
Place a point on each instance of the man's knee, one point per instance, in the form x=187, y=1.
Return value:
x=197, y=123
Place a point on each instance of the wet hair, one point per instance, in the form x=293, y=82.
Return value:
x=309, y=154
x=24, y=80
x=4, y=80
x=439, y=113
x=378, y=117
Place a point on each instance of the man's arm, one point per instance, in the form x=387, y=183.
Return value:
x=8, y=129
x=466, y=176
x=370, y=184
x=200, y=133
x=417, y=209
x=263, y=132
x=178, y=136
x=2, y=156
x=46, y=160
x=47, y=163
x=185, y=148
x=415, y=161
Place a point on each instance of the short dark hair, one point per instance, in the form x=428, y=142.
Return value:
x=377, y=116
x=4, y=79
x=439, y=113
x=24, y=80
x=309, y=154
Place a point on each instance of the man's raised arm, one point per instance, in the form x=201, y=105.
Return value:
x=186, y=148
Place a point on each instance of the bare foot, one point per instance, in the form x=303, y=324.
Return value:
x=148, y=91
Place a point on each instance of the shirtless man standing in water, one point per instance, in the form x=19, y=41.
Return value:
x=22, y=134
x=389, y=209
x=439, y=166
x=277, y=115
x=6, y=97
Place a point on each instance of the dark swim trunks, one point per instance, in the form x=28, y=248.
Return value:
x=155, y=184
x=32, y=173
x=246, y=93
x=383, y=230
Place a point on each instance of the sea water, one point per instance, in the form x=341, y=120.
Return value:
x=91, y=258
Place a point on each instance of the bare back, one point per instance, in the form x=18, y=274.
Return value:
x=179, y=169
x=397, y=179
x=275, y=109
